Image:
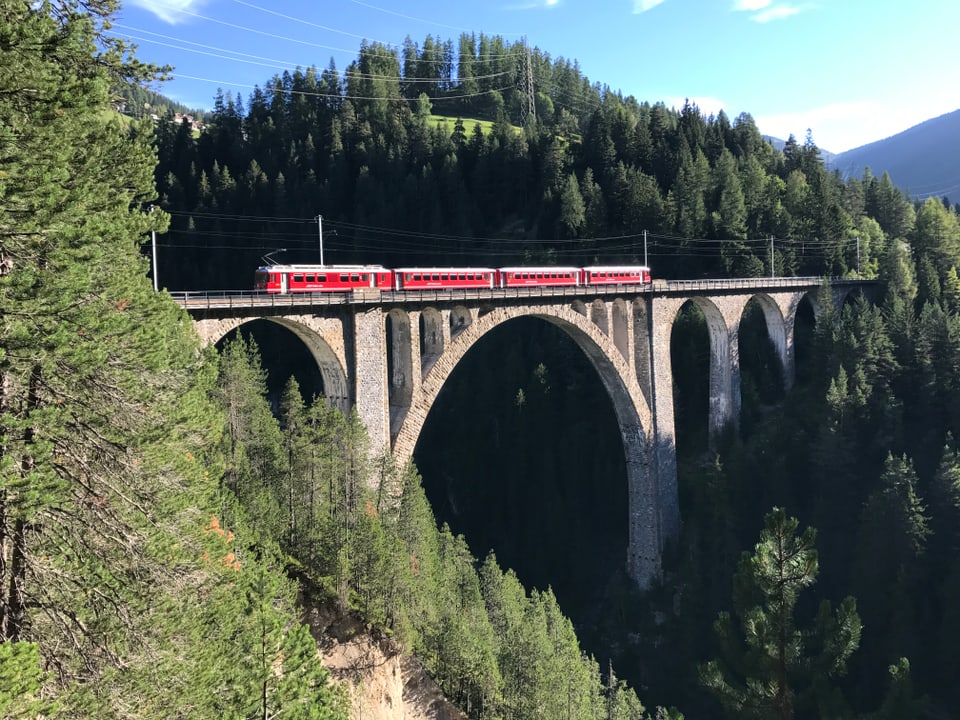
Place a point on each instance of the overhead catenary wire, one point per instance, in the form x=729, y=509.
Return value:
x=273, y=62
x=339, y=96
x=398, y=242
x=276, y=64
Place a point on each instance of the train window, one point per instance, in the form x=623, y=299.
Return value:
x=309, y=278
x=363, y=277
x=436, y=276
x=298, y=278
x=321, y=278
x=444, y=277
x=354, y=277
x=416, y=276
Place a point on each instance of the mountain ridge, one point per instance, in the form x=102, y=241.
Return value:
x=923, y=160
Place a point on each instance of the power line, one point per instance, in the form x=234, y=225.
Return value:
x=298, y=20
x=416, y=19
x=338, y=96
x=260, y=32
x=272, y=62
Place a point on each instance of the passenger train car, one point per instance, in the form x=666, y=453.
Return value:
x=286, y=279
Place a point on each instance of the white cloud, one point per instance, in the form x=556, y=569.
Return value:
x=641, y=6
x=765, y=10
x=836, y=127
x=842, y=126
x=778, y=12
x=167, y=10
x=534, y=5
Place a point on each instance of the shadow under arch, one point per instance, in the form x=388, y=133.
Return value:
x=766, y=364
x=805, y=323
x=721, y=401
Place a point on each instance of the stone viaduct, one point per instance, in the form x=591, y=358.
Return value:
x=389, y=354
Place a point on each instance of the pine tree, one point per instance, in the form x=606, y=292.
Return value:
x=254, y=447
x=781, y=671
x=893, y=526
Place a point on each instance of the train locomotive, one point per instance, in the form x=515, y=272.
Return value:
x=291, y=279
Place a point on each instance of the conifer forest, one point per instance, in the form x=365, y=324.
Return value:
x=170, y=513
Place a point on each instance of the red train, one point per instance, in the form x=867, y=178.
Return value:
x=284, y=279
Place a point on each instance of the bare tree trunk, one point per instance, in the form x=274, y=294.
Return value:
x=4, y=531
x=14, y=604
x=18, y=568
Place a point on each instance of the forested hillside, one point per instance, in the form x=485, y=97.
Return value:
x=580, y=182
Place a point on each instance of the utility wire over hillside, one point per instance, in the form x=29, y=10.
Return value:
x=372, y=241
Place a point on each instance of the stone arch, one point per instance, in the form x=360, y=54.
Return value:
x=599, y=315
x=611, y=366
x=630, y=408
x=842, y=294
x=776, y=329
x=806, y=316
x=431, y=338
x=400, y=379
x=620, y=317
x=332, y=367
x=460, y=319
x=642, y=357
x=721, y=401
x=825, y=302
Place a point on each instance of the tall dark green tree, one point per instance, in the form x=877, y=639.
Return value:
x=107, y=435
x=894, y=527
x=771, y=668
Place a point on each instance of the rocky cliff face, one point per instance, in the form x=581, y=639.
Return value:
x=383, y=683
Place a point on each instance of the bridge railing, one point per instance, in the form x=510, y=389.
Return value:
x=245, y=298
x=739, y=283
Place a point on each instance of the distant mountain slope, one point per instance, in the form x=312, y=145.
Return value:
x=924, y=160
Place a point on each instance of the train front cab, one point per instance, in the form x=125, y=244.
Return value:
x=270, y=280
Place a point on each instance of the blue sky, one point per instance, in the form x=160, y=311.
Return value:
x=852, y=71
